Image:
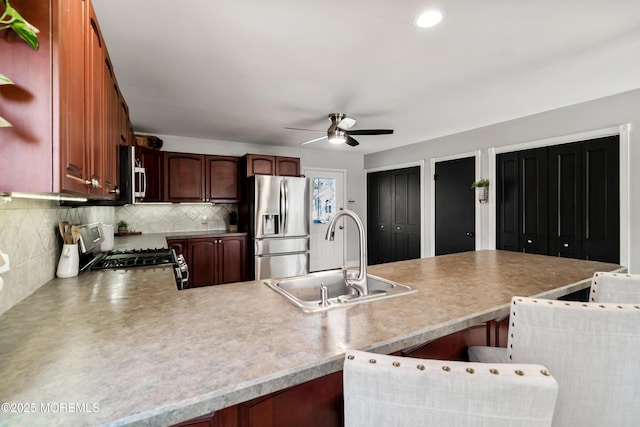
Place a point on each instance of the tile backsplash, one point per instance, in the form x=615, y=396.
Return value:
x=165, y=217
x=29, y=234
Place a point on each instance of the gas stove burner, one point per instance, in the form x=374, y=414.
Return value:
x=135, y=258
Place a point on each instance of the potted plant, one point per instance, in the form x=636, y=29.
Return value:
x=122, y=226
x=12, y=19
x=482, y=185
x=233, y=221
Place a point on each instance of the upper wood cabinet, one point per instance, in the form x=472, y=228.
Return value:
x=62, y=106
x=222, y=180
x=201, y=178
x=259, y=164
x=153, y=162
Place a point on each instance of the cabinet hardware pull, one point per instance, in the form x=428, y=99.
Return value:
x=529, y=241
x=566, y=245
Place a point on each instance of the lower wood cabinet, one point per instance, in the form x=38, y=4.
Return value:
x=213, y=260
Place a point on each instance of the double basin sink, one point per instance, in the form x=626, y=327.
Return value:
x=305, y=292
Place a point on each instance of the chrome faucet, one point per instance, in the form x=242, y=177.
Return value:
x=360, y=282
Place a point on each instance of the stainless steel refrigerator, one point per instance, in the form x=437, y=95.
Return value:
x=278, y=209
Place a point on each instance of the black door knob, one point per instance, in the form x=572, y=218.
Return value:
x=469, y=233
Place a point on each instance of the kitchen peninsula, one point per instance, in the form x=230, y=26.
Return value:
x=126, y=347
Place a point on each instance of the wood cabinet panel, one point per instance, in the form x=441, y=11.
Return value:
x=287, y=166
x=153, y=163
x=260, y=164
x=94, y=103
x=184, y=177
x=202, y=266
x=71, y=44
x=112, y=131
x=232, y=259
x=222, y=179
x=213, y=261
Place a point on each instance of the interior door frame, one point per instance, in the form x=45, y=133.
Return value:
x=419, y=163
x=305, y=171
x=479, y=209
x=623, y=131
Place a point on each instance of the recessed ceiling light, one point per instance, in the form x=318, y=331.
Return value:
x=429, y=18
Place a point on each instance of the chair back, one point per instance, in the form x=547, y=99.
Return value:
x=592, y=350
x=392, y=391
x=615, y=287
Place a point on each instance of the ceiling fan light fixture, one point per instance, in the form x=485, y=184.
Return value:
x=430, y=18
x=337, y=137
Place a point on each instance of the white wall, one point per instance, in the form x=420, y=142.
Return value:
x=608, y=112
x=352, y=162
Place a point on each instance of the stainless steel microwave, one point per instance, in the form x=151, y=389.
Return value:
x=133, y=177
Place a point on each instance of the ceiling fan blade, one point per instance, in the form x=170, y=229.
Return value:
x=309, y=130
x=371, y=132
x=313, y=140
x=352, y=142
x=346, y=123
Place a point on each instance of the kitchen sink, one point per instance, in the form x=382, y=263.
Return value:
x=305, y=292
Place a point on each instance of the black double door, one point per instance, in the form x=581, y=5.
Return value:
x=562, y=200
x=393, y=215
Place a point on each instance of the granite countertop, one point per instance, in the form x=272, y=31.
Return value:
x=159, y=240
x=125, y=347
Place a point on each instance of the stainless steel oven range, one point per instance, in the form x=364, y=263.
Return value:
x=145, y=257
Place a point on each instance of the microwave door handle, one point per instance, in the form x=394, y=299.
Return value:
x=143, y=179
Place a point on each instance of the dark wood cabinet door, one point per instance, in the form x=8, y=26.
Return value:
x=184, y=177
x=287, y=166
x=201, y=262
x=223, y=179
x=153, y=163
x=111, y=133
x=71, y=44
x=180, y=246
x=124, y=122
x=232, y=259
x=257, y=164
x=94, y=103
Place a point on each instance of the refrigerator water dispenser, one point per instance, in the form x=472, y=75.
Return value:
x=270, y=224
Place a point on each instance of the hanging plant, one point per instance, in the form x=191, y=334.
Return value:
x=480, y=183
x=11, y=19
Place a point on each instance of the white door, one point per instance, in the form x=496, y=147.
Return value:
x=327, y=195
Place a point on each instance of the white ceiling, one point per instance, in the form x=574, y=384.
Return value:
x=243, y=70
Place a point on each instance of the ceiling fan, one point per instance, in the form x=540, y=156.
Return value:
x=339, y=132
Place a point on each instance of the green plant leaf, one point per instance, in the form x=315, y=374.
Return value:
x=4, y=123
x=26, y=31
x=4, y=80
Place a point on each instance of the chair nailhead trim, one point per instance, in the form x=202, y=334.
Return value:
x=446, y=368
x=519, y=372
x=372, y=361
x=494, y=371
x=351, y=357
x=470, y=370
x=396, y=364
x=421, y=367
x=545, y=372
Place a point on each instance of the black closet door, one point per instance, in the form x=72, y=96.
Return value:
x=455, y=207
x=393, y=215
x=533, y=188
x=565, y=200
x=601, y=199
x=508, y=206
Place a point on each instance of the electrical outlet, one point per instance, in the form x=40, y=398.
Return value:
x=4, y=262
x=204, y=219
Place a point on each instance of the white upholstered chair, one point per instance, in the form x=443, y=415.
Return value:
x=615, y=287
x=392, y=391
x=605, y=287
x=592, y=350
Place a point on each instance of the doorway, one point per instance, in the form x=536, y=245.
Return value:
x=455, y=206
x=393, y=215
x=327, y=196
